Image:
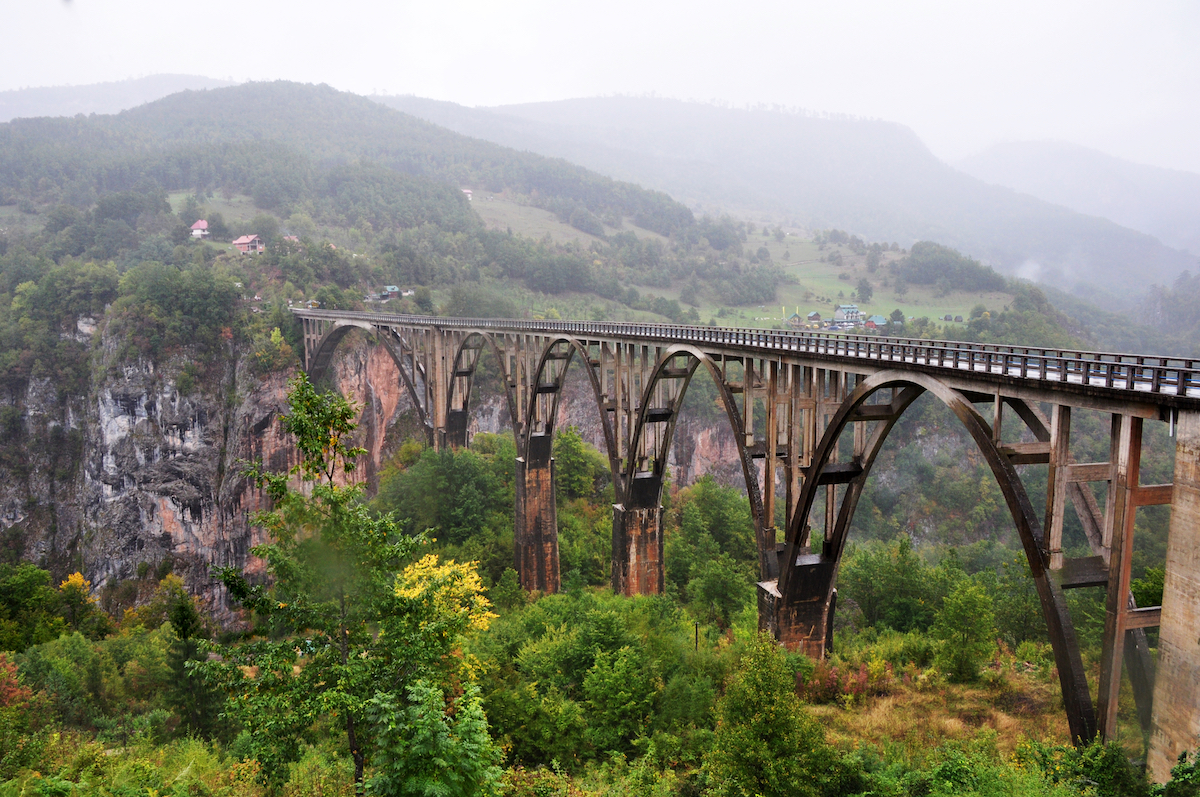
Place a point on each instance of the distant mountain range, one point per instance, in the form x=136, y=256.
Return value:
x=1164, y=203
x=872, y=178
x=1096, y=226
x=97, y=97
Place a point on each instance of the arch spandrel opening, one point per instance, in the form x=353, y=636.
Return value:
x=481, y=378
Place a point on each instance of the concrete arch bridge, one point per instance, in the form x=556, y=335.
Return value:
x=810, y=413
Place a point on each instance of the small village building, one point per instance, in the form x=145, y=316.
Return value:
x=814, y=317
x=249, y=244
x=876, y=322
x=847, y=313
x=200, y=229
x=958, y=319
x=467, y=192
x=391, y=292
x=795, y=321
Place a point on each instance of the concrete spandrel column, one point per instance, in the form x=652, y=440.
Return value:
x=1175, y=726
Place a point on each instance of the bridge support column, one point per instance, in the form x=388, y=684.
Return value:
x=637, y=566
x=456, y=428
x=637, y=550
x=1175, y=724
x=804, y=620
x=536, y=527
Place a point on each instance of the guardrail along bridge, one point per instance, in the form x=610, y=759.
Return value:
x=790, y=397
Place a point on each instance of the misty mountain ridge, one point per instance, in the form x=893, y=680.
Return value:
x=874, y=178
x=99, y=98
x=274, y=139
x=1161, y=202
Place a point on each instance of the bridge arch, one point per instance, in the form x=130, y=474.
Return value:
x=412, y=372
x=547, y=386
x=462, y=383
x=805, y=595
x=645, y=467
x=536, y=522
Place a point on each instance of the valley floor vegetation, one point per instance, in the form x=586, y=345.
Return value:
x=393, y=652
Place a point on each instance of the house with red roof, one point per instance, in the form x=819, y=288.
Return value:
x=200, y=229
x=249, y=244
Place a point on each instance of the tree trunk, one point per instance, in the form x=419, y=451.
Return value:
x=357, y=754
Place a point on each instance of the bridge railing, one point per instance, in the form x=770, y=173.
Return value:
x=1163, y=376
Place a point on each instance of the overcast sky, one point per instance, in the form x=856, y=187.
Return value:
x=1117, y=76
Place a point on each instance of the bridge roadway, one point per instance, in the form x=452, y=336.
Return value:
x=798, y=402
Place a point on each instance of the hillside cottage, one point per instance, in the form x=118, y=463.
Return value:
x=249, y=244
x=814, y=317
x=200, y=229
x=795, y=321
x=876, y=322
x=844, y=313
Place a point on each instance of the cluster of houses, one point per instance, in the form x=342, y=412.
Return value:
x=845, y=316
x=246, y=244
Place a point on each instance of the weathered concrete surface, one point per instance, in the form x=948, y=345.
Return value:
x=535, y=532
x=805, y=627
x=801, y=621
x=638, y=550
x=1175, y=727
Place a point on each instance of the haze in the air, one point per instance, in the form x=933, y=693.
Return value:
x=1118, y=77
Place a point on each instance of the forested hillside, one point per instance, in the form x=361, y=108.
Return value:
x=871, y=177
x=273, y=140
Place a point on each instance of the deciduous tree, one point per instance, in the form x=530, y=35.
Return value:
x=344, y=624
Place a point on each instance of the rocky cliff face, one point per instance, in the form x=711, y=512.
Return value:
x=141, y=475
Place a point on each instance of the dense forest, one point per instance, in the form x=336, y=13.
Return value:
x=391, y=649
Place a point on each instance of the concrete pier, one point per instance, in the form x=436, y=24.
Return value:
x=637, y=550
x=535, y=536
x=1175, y=724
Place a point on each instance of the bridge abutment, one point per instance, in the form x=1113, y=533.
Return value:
x=1175, y=722
x=535, y=534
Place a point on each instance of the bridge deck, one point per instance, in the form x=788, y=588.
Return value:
x=1158, y=380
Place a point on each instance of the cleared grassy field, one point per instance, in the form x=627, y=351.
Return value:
x=500, y=214
x=239, y=207
x=818, y=284
x=13, y=220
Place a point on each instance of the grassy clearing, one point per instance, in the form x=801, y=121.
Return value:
x=818, y=284
x=910, y=722
x=13, y=220
x=239, y=207
x=500, y=213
